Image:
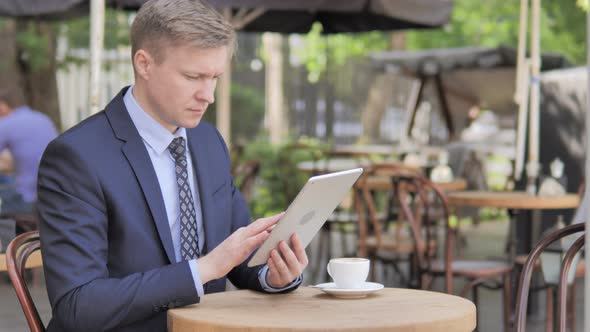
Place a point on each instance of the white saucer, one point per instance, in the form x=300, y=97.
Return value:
x=367, y=288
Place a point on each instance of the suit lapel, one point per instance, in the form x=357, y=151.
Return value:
x=138, y=157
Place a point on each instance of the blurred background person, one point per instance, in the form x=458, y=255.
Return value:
x=24, y=133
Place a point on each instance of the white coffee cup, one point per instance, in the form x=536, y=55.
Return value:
x=349, y=273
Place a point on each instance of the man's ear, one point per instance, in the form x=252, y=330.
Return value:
x=143, y=63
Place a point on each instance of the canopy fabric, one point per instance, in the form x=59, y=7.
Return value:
x=46, y=9
x=285, y=16
x=469, y=76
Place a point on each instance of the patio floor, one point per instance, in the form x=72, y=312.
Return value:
x=485, y=240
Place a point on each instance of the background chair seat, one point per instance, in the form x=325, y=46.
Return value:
x=474, y=269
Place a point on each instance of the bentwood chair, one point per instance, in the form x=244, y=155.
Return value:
x=18, y=252
x=528, y=268
x=422, y=205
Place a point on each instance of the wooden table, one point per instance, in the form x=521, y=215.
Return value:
x=517, y=200
x=512, y=200
x=308, y=309
x=365, y=150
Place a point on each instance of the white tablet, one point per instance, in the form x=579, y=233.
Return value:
x=309, y=211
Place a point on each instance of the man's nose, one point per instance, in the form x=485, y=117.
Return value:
x=207, y=93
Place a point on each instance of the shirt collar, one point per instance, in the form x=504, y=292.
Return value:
x=152, y=132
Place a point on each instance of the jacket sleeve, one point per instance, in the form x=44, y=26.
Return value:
x=74, y=246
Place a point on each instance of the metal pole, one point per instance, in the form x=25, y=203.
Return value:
x=521, y=94
x=97, y=8
x=533, y=166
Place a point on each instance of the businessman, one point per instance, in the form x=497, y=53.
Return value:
x=138, y=209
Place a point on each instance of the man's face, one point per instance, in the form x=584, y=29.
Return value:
x=179, y=89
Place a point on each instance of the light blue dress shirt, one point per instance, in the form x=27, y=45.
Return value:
x=157, y=139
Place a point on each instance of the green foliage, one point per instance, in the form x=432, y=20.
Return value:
x=279, y=178
x=35, y=47
x=582, y=4
x=116, y=30
x=496, y=22
x=247, y=108
x=338, y=47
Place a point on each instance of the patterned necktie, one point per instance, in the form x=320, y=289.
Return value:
x=189, y=239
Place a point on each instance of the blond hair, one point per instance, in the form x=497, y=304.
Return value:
x=163, y=23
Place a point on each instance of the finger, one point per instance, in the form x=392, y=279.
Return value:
x=299, y=250
x=262, y=224
x=290, y=259
x=273, y=274
x=272, y=268
x=271, y=228
x=282, y=268
x=256, y=240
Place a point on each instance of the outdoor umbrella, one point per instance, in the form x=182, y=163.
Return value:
x=463, y=77
x=284, y=16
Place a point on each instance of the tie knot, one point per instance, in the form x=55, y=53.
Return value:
x=177, y=148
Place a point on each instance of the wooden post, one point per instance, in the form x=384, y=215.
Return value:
x=521, y=93
x=97, y=8
x=223, y=120
x=533, y=160
x=275, y=118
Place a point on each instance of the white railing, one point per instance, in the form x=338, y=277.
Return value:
x=73, y=82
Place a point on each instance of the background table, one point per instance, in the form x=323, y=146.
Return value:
x=308, y=309
x=386, y=150
x=515, y=200
x=512, y=200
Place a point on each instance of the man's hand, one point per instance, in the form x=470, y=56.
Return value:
x=286, y=266
x=235, y=249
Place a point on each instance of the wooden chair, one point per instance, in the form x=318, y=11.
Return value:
x=520, y=260
x=562, y=300
x=385, y=237
x=417, y=195
x=527, y=271
x=17, y=254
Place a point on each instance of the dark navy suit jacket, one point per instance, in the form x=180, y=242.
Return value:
x=105, y=239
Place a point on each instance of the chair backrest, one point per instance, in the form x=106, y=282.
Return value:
x=365, y=204
x=17, y=253
x=527, y=270
x=421, y=193
x=415, y=195
x=568, y=259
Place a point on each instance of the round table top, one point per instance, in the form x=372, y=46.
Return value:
x=512, y=200
x=384, y=183
x=308, y=309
